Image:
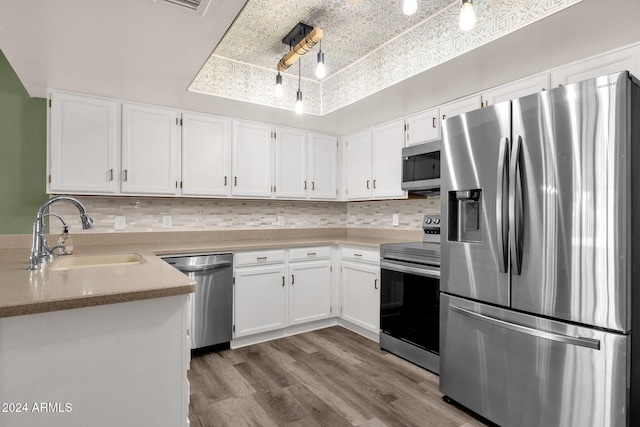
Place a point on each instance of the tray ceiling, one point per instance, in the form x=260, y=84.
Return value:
x=369, y=45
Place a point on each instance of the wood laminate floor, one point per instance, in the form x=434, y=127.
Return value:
x=330, y=377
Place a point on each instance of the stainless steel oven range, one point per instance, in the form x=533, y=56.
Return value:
x=410, y=295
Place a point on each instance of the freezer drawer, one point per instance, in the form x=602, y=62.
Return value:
x=520, y=370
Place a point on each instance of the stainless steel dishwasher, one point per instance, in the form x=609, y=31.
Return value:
x=211, y=312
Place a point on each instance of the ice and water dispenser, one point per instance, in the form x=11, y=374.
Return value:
x=465, y=208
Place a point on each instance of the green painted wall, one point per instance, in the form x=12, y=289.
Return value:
x=23, y=142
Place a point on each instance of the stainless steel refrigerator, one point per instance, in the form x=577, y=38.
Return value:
x=540, y=270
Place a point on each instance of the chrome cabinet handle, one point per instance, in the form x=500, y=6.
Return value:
x=374, y=184
x=565, y=339
x=235, y=181
x=502, y=211
x=225, y=180
x=358, y=255
x=282, y=280
x=292, y=280
x=375, y=284
x=261, y=259
x=305, y=185
x=311, y=254
x=313, y=185
x=125, y=175
x=110, y=174
x=368, y=184
x=434, y=122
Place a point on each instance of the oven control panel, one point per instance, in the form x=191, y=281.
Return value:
x=431, y=224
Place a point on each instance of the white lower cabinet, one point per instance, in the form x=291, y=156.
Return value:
x=310, y=291
x=361, y=295
x=276, y=289
x=360, y=280
x=260, y=299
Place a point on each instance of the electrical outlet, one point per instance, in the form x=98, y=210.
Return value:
x=280, y=220
x=396, y=219
x=121, y=222
x=167, y=221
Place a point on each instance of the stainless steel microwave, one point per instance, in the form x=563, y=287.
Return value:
x=421, y=168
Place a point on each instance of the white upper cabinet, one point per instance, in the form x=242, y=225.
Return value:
x=323, y=167
x=251, y=159
x=206, y=142
x=517, y=89
x=291, y=163
x=612, y=62
x=423, y=127
x=84, y=138
x=387, y=142
x=150, y=150
x=461, y=106
x=358, y=165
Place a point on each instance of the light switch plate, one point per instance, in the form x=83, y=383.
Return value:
x=167, y=221
x=396, y=219
x=121, y=222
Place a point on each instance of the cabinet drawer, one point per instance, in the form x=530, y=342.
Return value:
x=305, y=254
x=259, y=257
x=359, y=254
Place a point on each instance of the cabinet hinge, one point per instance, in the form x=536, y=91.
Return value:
x=49, y=103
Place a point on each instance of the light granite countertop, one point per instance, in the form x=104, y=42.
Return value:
x=28, y=292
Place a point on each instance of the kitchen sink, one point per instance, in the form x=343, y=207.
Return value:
x=74, y=262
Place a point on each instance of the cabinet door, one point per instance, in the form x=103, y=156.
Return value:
x=323, y=167
x=518, y=89
x=84, y=143
x=387, y=142
x=460, y=106
x=625, y=59
x=358, y=165
x=260, y=299
x=149, y=150
x=361, y=295
x=291, y=163
x=423, y=127
x=205, y=155
x=310, y=291
x=252, y=159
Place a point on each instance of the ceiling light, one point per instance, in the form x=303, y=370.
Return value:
x=300, y=40
x=299, y=108
x=321, y=71
x=279, y=92
x=409, y=7
x=467, y=16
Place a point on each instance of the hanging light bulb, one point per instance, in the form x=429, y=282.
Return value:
x=299, y=108
x=279, y=89
x=321, y=71
x=467, y=15
x=409, y=7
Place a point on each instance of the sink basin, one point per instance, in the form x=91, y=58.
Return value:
x=74, y=262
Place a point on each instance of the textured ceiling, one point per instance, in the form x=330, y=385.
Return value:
x=369, y=45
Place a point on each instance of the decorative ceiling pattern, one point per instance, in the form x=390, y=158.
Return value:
x=369, y=45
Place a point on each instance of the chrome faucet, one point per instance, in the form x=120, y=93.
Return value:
x=40, y=251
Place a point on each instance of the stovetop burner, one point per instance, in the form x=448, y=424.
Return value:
x=425, y=252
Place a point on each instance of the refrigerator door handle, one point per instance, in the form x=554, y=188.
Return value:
x=502, y=211
x=515, y=207
x=565, y=339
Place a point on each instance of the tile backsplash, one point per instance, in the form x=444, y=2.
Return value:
x=144, y=214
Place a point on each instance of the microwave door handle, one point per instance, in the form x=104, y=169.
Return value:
x=502, y=211
x=515, y=207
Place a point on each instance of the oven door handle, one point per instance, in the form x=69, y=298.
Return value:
x=407, y=268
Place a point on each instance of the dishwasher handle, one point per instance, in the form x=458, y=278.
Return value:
x=204, y=267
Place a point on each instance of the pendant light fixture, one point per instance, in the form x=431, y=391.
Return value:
x=467, y=15
x=409, y=7
x=321, y=71
x=279, y=92
x=299, y=108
